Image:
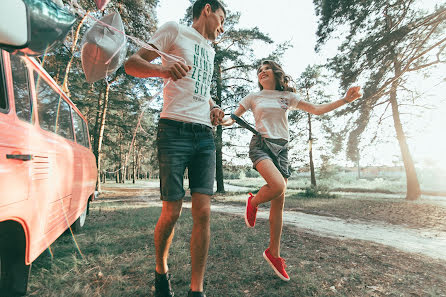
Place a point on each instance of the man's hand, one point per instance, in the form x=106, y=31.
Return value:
x=175, y=70
x=352, y=94
x=217, y=115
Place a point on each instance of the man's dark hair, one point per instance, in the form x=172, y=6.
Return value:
x=200, y=4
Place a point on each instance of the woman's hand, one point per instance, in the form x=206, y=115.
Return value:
x=227, y=121
x=352, y=94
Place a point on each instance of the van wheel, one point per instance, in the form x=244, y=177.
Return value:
x=80, y=222
x=14, y=274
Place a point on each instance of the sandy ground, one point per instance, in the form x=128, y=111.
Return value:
x=425, y=242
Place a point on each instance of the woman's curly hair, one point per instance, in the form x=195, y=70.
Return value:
x=283, y=81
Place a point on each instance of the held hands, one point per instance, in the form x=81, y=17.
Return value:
x=352, y=94
x=217, y=116
x=227, y=121
x=175, y=70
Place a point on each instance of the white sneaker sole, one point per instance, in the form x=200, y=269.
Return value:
x=274, y=268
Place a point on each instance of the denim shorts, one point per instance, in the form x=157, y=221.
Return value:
x=275, y=150
x=180, y=146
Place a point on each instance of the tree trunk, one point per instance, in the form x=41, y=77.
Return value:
x=219, y=139
x=138, y=163
x=134, y=164
x=73, y=48
x=219, y=160
x=96, y=124
x=310, y=148
x=101, y=132
x=413, y=186
x=119, y=169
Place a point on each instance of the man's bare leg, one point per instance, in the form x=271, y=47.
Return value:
x=199, y=243
x=164, y=232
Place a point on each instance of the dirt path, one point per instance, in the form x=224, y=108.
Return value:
x=423, y=241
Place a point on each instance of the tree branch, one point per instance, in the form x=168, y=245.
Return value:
x=236, y=66
x=381, y=103
x=237, y=78
x=378, y=93
x=381, y=117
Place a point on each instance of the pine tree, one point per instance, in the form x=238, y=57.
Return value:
x=383, y=42
x=234, y=63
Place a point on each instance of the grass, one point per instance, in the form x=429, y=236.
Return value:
x=338, y=182
x=118, y=260
x=384, y=182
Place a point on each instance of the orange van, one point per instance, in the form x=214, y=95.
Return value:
x=47, y=170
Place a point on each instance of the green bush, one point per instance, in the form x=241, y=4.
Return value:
x=231, y=175
x=316, y=192
x=251, y=172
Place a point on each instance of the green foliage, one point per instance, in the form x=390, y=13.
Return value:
x=311, y=85
x=127, y=95
x=240, y=172
x=314, y=192
x=252, y=173
x=382, y=42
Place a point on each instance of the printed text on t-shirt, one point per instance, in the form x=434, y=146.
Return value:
x=202, y=72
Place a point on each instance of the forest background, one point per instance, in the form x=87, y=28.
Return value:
x=394, y=49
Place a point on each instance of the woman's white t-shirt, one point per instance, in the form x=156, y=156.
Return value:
x=270, y=109
x=187, y=99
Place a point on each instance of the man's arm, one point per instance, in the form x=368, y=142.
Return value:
x=140, y=65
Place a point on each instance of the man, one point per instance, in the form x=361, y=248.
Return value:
x=184, y=138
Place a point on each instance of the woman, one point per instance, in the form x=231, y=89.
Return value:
x=268, y=149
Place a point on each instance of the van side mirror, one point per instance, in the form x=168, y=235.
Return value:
x=14, y=24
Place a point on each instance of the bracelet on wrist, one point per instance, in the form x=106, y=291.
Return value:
x=345, y=100
x=215, y=106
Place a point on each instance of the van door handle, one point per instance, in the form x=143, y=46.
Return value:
x=20, y=157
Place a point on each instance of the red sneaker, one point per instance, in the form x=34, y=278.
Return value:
x=278, y=264
x=250, y=212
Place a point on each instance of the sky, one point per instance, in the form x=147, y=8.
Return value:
x=291, y=17
x=296, y=21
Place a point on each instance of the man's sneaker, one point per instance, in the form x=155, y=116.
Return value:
x=162, y=285
x=195, y=294
x=278, y=264
x=250, y=212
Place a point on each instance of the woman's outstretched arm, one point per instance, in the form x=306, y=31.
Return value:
x=228, y=121
x=318, y=109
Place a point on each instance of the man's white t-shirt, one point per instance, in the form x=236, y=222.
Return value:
x=270, y=109
x=187, y=99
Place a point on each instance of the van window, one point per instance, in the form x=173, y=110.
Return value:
x=64, y=124
x=79, y=124
x=22, y=99
x=47, y=104
x=3, y=100
x=87, y=142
